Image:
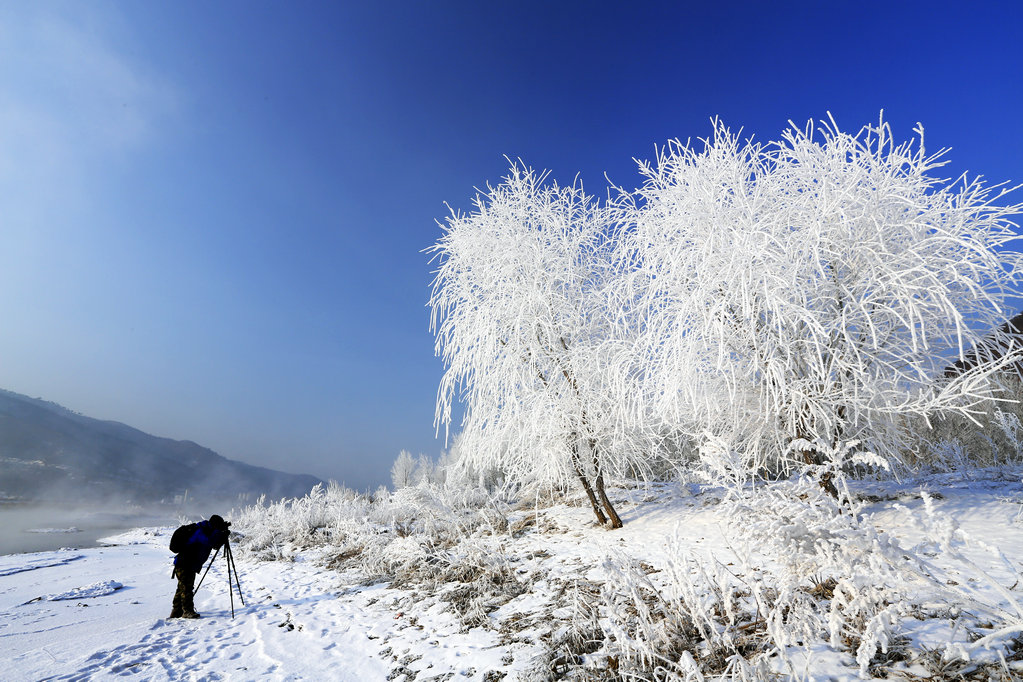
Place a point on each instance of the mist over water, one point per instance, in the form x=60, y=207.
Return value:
x=40, y=528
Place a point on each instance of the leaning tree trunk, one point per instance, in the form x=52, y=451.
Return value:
x=616, y=521
x=601, y=519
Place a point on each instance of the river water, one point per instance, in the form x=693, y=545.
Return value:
x=35, y=528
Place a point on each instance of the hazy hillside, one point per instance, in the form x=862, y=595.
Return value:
x=48, y=452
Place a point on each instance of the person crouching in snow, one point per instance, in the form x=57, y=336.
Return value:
x=207, y=536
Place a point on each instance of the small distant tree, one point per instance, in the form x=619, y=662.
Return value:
x=523, y=332
x=425, y=470
x=403, y=470
x=810, y=292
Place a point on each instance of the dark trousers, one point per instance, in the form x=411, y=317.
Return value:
x=183, y=595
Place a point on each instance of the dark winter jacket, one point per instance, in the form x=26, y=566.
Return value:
x=204, y=540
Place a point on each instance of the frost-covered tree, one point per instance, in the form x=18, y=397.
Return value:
x=426, y=470
x=523, y=331
x=403, y=470
x=810, y=291
x=457, y=474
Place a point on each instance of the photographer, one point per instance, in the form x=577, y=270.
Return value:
x=206, y=537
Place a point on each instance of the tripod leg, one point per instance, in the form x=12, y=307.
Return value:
x=205, y=572
x=230, y=592
x=234, y=567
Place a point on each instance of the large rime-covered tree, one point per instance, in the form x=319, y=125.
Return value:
x=519, y=322
x=809, y=292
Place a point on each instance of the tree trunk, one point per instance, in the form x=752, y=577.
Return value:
x=601, y=519
x=616, y=521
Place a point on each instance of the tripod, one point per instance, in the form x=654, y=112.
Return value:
x=230, y=568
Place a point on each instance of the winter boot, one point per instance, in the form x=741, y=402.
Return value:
x=176, y=609
x=187, y=605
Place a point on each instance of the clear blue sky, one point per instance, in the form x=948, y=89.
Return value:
x=212, y=213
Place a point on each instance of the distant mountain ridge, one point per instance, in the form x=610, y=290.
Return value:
x=50, y=453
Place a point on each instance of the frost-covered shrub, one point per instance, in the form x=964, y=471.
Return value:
x=949, y=455
x=694, y=621
x=574, y=632
x=992, y=436
x=863, y=573
x=472, y=575
x=806, y=572
x=476, y=578
x=386, y=533
x=278, y=530
x=435, y=542
x=831, y=574
x=810, y=572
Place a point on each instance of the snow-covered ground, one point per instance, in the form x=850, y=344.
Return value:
x=101, y=612
x=86, y=614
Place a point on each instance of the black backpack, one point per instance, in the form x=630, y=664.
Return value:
x=180, y=538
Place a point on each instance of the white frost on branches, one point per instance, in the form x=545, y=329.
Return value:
x=813, y=289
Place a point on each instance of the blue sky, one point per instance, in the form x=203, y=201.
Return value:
x=212, y=213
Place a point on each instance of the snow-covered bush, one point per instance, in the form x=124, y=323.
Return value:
x=830, y=549
x=441, y=543
x=386, y=534
x=813, y=289
x=798, y=575
x=806, y=573
x=276, y=531
x=992, y=437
